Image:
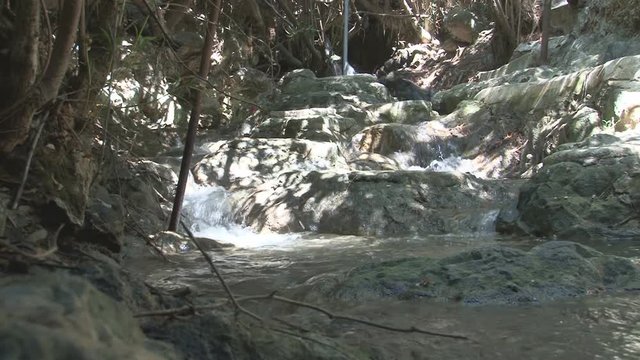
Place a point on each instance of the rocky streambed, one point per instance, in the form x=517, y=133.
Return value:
x=504, y=210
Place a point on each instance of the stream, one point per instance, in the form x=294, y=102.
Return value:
x=595, y=327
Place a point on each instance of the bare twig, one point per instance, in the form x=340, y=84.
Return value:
x=187, y=310
x=27, y=165
x=193, y=73
x=149, y=243
x=37, y=255
x=334, y=316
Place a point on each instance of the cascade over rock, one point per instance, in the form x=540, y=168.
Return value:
x=381, y=203
x=247, y=161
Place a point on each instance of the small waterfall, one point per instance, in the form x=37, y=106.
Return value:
x=208, y=209
x=453, y=163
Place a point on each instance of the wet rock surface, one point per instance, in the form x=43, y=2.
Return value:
x=586, y=190
x=494, y=275
x=55, y=316
x=323, y=157
x=222, y=337
x=301, y=89
x=249, y=161
x=372, y=203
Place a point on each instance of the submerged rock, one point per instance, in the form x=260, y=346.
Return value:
x=170, y=242
x=494, y=275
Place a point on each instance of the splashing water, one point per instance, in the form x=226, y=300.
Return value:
x=454, y=163
x=210, y=212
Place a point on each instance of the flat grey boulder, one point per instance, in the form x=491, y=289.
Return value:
x=586, y=190
x=247, y=161
x=316, y=124
x=301, y=89
x=372, y=203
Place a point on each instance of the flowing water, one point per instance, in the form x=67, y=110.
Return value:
x=596, y=327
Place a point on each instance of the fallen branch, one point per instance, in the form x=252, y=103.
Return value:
x=184, y=310
x=36, y=255
x=27, y=165
x=335, y=316
x=215, y=271
x=149, y=243
x=188, y=310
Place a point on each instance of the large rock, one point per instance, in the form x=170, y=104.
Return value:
x=56, y=316
x=462, y=25
x=386, y=139
x=248, y=161
x=446, y=101
x=105, y=219
x=540, y=96
x=372, y=161
x=318, y=124
x=620, y=104
x=586, y=190
x=372, y=203
x=301, y=89
x=413, y=145
x=402, y=112
x=494, y=275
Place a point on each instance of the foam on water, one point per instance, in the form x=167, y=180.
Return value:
x=209, y=210
x=406, y=161
x=453, y=163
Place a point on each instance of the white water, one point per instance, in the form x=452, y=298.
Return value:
x=406, y=161
x=209, y=210
x=454, y=163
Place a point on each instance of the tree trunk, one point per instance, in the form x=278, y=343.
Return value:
x=546, y=25
x=185, y=166
x=61, y=54
x=24, y=56
x=20, y=76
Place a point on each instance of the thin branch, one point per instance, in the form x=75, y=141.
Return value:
x=27, y=165
x=62, y=49
x=181, y=311
x=364, y=12
x=193, y=73
x=190, y=310
x=37, y=255
x=215, y=271
x=334, y=316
